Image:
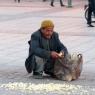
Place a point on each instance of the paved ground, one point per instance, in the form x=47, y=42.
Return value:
x=17, y=22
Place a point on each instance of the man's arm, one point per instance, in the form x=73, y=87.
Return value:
x=60, y=45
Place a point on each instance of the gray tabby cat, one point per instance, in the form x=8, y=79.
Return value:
x=68, y=68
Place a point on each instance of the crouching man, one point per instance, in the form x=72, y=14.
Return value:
x=45, y=48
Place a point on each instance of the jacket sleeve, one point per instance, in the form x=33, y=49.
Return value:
x=92, y=4
x=36, y=49
x=60, y=45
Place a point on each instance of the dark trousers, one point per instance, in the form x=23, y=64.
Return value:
x=41, y=65
x=52, y=2
x=89, y=15
x=17, y=1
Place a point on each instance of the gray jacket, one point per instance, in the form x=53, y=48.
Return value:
x=38, y=45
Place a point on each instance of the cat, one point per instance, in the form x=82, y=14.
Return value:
x=68, y=68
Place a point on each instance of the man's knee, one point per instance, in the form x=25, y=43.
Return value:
x=39, y=60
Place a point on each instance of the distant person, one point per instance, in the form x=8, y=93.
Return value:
x=17, y=1
x=44, y=0
x=52, y=3
x=91, y=9
x=45, y=48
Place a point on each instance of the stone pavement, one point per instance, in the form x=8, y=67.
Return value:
x=17, y=22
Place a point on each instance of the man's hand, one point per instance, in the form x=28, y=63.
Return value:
x=61, y=54
x=54, y=55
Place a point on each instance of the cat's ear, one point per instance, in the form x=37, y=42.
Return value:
x=80, y=56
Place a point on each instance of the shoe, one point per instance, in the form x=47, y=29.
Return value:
x=90, y=25
x=51, y=74
x=37, y=76
x=62, y=5
x=52, y=5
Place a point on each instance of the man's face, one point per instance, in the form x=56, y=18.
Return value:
x=47, y=32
